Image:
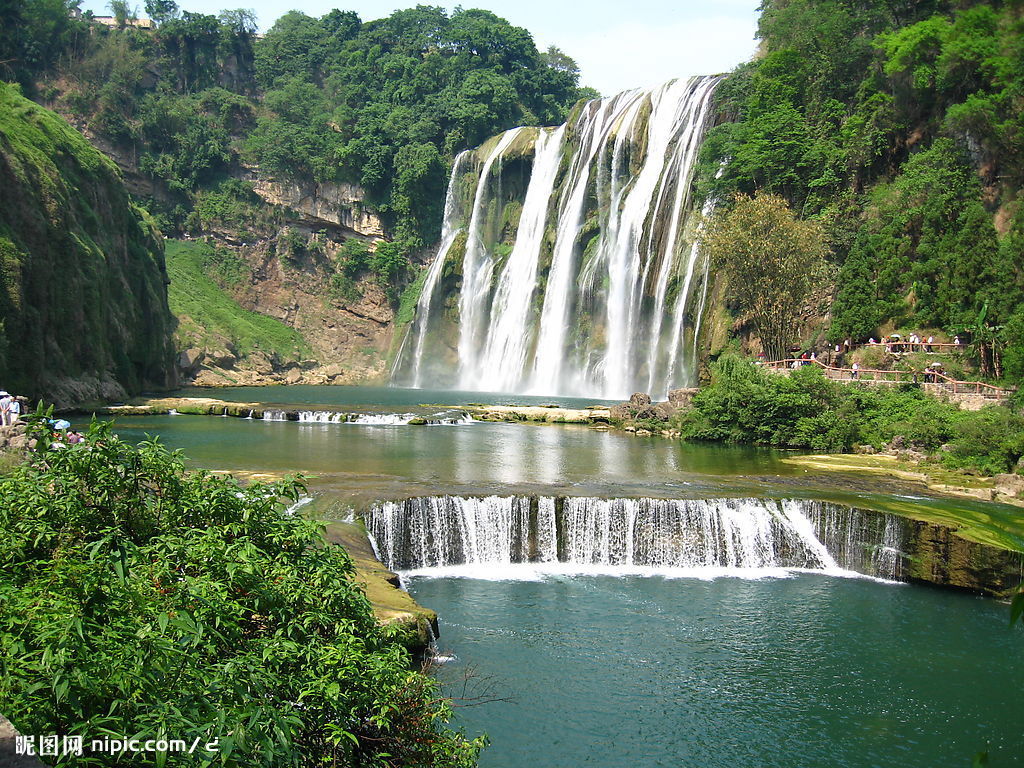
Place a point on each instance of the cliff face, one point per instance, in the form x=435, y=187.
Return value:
x=83, y=301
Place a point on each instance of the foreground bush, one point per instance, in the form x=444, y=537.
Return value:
x=141, y=600
x=745, y=404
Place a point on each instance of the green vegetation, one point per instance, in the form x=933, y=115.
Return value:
x=209, y=317
x=81, y=269
x=898, y=126
x=745, y=404
x=773, y=262
x=385, y=104
x=140, y=600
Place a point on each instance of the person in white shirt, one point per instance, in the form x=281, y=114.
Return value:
x=13, y=412
x=5, y=405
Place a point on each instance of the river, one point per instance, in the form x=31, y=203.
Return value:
x=598, y=669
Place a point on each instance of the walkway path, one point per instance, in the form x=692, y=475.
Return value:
x=972, y=394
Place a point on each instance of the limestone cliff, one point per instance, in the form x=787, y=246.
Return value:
x=83, y=302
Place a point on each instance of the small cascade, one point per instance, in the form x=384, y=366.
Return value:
x=271, y=415
x=446, y=418
x=664, y=534
x=321, y=417
x=586, y=279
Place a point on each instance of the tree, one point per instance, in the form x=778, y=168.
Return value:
x=774, y=262
x=161, y=10
x=137, y=597
x=122, y=11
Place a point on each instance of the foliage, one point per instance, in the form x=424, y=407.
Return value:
x=384, y=104
x=774, y=263
x=898, y=124
x=81, y=271
x=746, y=404
x=142, y=600
x=209, y=316
x=34, y=34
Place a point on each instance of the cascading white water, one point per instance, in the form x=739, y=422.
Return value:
x=501, y=367
x=592, y=298
x=708, y=534
x=477, y=267
x=451, y=228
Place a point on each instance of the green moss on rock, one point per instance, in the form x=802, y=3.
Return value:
x=83, y=304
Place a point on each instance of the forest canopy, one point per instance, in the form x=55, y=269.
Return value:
x=897, y=125
x=384, y=104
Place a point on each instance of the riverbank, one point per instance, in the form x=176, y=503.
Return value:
x=1005, y=489
x=391, y=604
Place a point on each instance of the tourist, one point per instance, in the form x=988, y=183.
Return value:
x=13, y=411
x=931, y=340
x=956, y=340
x=5, y=403
x=856, y=371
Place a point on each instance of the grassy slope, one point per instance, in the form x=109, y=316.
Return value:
x=208, y=316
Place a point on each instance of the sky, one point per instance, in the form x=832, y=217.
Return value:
x=618, y=44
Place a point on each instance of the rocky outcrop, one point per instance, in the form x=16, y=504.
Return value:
x=935, y=554
x=391, y=604
x=326, y=204
x=83, y=300
x=9, y=757
x=15, y=440
x=640, y=407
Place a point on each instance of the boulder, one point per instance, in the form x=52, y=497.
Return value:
x=293, y=376
x=190, y=359
x=665, y=411
x=1009, y=485
x=260, y=363
x=620, y=412
x=221, y=358
x=681, y=398
x=333, y=371
x=639, y=399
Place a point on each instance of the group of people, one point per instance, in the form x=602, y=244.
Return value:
x=10, y=409
x=914, y=343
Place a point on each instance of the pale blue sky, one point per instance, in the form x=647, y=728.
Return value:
x=617, y=44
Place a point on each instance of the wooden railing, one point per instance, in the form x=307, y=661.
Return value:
x=878, y=376
x=917, y=346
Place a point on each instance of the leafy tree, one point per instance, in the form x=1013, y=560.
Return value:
x=774, y=262
x=137, y=598
x=161, y=11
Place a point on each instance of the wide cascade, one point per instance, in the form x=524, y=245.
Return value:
x=568, y=261
x=697, y=534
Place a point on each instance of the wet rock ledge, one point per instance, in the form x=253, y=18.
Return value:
x=391, y=604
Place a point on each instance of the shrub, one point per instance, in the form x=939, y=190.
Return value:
x=138, y=599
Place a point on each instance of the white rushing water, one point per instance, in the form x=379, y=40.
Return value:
x=595, y=295
x=702, y=537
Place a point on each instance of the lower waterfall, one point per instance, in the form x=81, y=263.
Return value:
x=639, y=534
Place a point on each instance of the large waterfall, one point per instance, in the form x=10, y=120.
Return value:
x=696, y=535
x=568, y=263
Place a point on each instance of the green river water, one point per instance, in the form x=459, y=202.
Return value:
x=598, y=670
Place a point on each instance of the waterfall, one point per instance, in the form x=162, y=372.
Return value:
x=450, y=230
x=702, y=535
x=578, y=281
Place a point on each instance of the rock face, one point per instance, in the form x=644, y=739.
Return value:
x=83, y=299
x=339, y=205
x=1009, y=485
x=640, y=407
